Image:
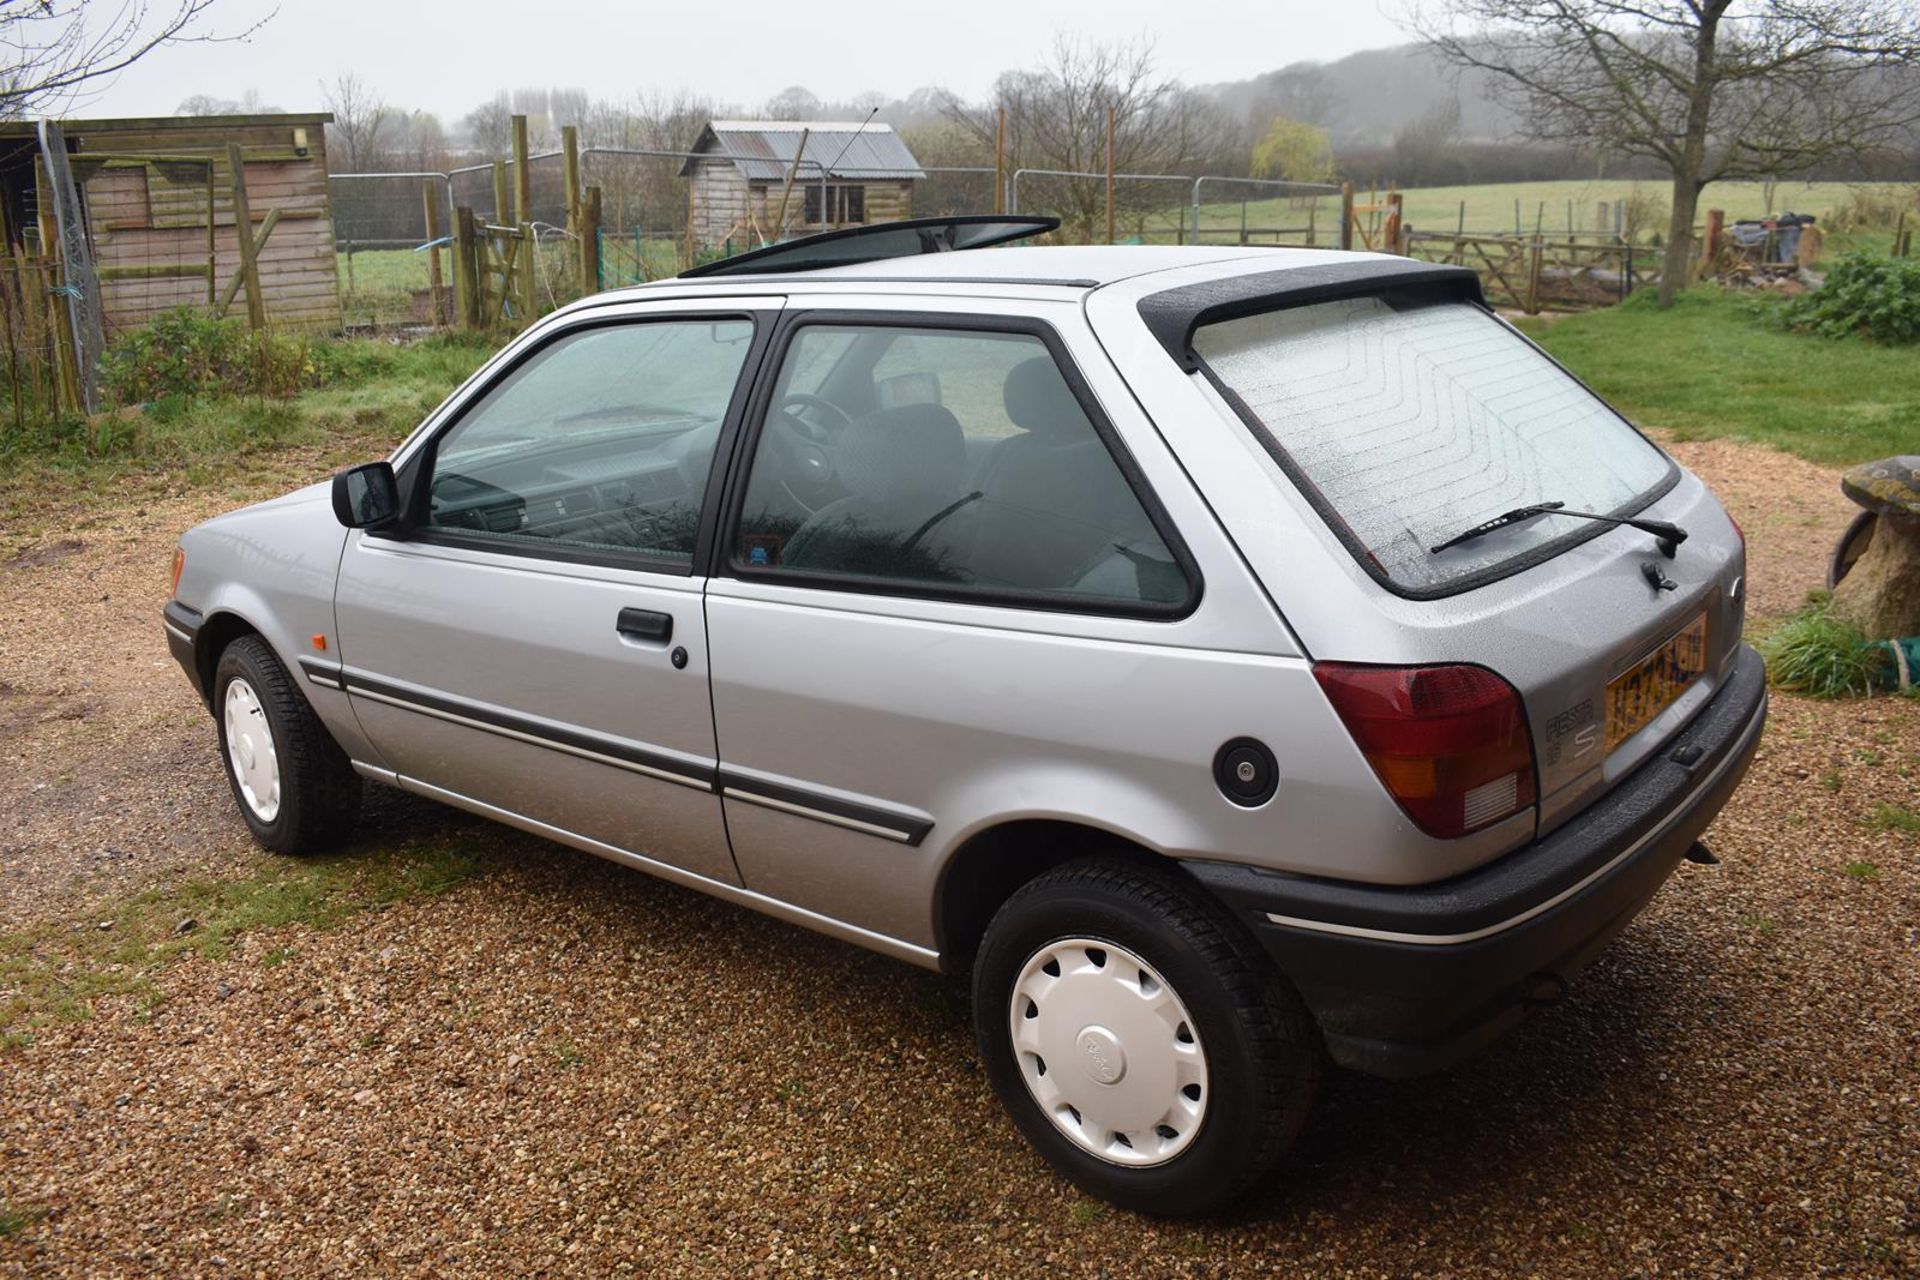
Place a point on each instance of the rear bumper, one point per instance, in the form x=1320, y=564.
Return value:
x=1406, y=980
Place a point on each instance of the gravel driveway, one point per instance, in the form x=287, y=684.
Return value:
x=557, y=1067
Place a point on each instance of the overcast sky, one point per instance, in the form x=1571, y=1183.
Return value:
x=447, y=57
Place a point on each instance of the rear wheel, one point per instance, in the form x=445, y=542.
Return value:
x=295, y=787
x=1139, y=1037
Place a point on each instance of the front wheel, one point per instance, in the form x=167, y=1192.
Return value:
x=1140, y=1039
x=294, y=785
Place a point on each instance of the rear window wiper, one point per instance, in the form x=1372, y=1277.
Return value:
x=1670, y=535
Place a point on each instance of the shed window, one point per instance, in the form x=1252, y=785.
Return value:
x=842, y=204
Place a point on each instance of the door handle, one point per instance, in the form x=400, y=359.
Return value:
x=645, y=625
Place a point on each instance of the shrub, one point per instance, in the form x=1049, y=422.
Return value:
x=1863, y=294
x=190, y=353
x=1822, y=655
x=1872, y=209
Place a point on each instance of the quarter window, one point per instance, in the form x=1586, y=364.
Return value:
x=953, y=461
x=602, y=441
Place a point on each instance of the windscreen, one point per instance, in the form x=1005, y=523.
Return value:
x=1415, y=422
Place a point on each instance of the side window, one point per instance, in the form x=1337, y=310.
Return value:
x=947, y=460
x=602, y=441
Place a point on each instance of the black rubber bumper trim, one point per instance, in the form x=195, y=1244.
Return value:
x=1398, y=1008
x=1539, y=872
x=182, y=626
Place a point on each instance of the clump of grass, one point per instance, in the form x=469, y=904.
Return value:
x=14, y=1221
x=1820, y=654
x=1861, y=869
x=1892, y=817
x=56, y=971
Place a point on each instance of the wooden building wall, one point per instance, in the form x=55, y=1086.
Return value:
x=155, y=215
x=723, y=198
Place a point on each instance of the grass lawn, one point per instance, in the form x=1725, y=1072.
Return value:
x=1717, y=365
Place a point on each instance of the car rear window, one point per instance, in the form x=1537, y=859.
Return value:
x=1411, y=422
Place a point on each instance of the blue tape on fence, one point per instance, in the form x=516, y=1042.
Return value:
x=68, y=291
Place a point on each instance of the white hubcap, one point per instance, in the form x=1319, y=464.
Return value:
x=250, y=753
x=1108, y=1051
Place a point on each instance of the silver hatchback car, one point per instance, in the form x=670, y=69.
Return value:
x=1235, y=660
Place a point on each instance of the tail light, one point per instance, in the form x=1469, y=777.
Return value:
x=1450, y=743
x=179, y=563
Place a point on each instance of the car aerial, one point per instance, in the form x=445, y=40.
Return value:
x=1231, y=660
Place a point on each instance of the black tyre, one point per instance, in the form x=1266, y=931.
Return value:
x=292, y=782
x=1140, y=1038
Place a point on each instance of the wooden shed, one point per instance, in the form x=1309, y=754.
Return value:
x=847, y=175
x=148, y=189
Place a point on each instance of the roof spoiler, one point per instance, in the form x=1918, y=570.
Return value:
x=1172, y=315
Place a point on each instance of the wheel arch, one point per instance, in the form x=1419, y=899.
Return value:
x=220, y=629
x=986, y=870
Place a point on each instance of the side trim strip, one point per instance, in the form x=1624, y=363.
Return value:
x=609, y=753
x=323, y=673
x=890, y=824
x=776, y=907
x=1733, y=757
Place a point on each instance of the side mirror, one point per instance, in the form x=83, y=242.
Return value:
x=367, y=496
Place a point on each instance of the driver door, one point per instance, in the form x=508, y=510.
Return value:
x=535, y=647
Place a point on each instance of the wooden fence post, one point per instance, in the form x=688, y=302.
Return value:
x=435, y=281
x=1000, y=164
x=243, y=236
x=570, y=148
x=466, y=270
x=522, y=175
x=1346, y=215
x=529, y=274
x=1532, y=303
x=589, y=234
x=500, y=211
x=1391, y=240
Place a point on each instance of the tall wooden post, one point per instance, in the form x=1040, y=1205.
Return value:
x=466, y=270
x=589, y=233
x=522, y=174
x=435, y=282
x=529, y=274
x=500, y=211
x=1390, y=241
x=1000, y=165
x=243, y=236
x=1532, y=303
x=1346, y=215
x=213, y=248
x=1109, y=175
x=570, y=150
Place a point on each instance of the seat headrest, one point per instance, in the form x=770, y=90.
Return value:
x=1038, y=399
x=908, y=453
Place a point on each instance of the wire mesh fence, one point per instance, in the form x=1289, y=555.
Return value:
x=652, y=223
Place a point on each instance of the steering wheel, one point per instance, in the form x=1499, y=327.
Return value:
x=806, y=447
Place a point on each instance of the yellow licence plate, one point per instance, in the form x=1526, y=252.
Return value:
x=1636, y=696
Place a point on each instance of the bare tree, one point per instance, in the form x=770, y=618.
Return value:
x=1056, y=119
x=360, y=117
x=1710, y=89
x=489, y=126
x=54, y=52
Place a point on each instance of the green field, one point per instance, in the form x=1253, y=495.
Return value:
x=1718, y=365
x=1491, y=208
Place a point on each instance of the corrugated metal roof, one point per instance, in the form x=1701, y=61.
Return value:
x=764, y=149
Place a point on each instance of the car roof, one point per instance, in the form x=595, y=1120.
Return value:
x=1051, y=267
